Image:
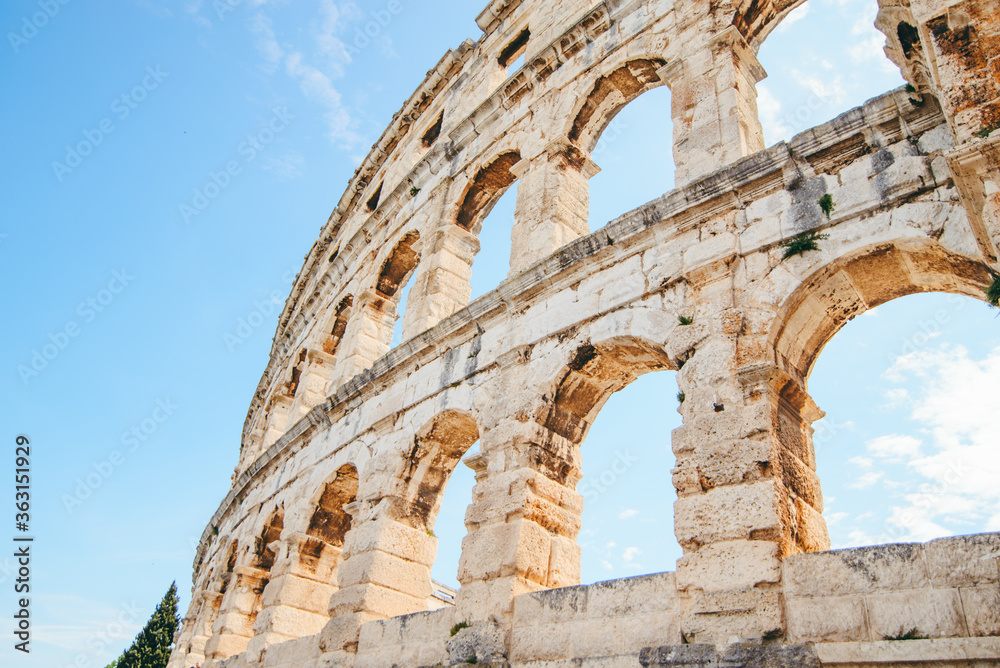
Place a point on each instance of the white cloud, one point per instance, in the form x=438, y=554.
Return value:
x=793, y=17
x=897, y=397
x=769, y=110
x=894, y=447
x=825, y=91
x=317, y=86
x=607, y=565
x=266, y=43
x=862, y=462
x=288, y=166
x=866, y=480
x=958, y=464
x=630, y=554
x=834, y=518
x=627, y=513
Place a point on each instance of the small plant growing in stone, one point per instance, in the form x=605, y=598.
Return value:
x=472, y=659
x=912, y=634
x=993, y=291
x=458, y=627
x=826, y=204
x=680, y=397
x=802, y=243
x=430, y=532
x=414, y=191
x=685, y=319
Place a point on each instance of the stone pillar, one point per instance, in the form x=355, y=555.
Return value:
x=552, y=202
x=951, y=49
x=189, y=648
x=276, y=421
x=367, y=337
x=385, y=572
x=748, y=494
x=523, y=521
x=296, y=599
x=313, y=381
x=234, y=627
x=443, y=288
x=714, y=105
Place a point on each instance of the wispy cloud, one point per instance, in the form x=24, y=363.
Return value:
x=627, y=513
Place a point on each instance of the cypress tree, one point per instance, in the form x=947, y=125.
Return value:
x=151, y=648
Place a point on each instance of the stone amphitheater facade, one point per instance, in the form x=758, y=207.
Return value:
x=321, y=553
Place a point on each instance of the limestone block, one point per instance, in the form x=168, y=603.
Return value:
x=827, y=619
x=729, y=565
x=727, y=513
x=934, y=613
x=964, y=561
x=290, y=622
x=982, y=610
x=378, y=600
x=644, y=594
x=856, y=571
x=497, y=550
x=744, y=613
x=298, y=592
x=387, y=570
x=391, y=537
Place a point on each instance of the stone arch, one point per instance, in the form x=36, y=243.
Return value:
x=834, y=294
x=330, y=521
x=610, y=93
x=593, y=374
x=489, y=184
x=755, y=19
x=337, y=326
x=398, y=267
x=264, y=553
x=437, y=449
x=809, y=317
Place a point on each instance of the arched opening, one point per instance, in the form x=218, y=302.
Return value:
x=611, y=92
x=625, y=455
x=491, y=268
x=627, y=524
x=437, y=486
x=909, y=453
x=397, y=268
x=265, y=550
x=811, y=318
x=634, y=154
x=319, y=552
x=401, y=306
x=490, y=197
x=337, y=327
x=814, y=73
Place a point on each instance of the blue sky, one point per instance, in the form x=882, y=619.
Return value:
x=167, y=167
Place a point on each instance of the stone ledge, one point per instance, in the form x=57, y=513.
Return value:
x=884, y=652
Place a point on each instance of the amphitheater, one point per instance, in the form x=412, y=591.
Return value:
x=321, y=553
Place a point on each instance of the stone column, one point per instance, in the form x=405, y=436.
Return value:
x=276, y=421
x=748, y=494
x=367, y=337
x=385, y=572
x=523, y=521
x=234, y=627
x=296, y=599
x=552, y=202
x=714, y=104
x=443, y=288
x=189, y=649
x=951, y=49
x=313, y=381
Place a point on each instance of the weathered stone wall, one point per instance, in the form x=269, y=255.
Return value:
x=321, y=553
